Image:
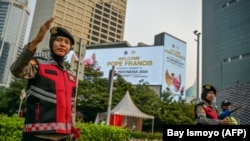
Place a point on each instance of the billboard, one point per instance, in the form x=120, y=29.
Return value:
x=163, y=65
x=135, y=65
x=174, y=66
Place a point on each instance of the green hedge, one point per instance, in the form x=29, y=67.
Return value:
x=94, y=132
x=11, y=130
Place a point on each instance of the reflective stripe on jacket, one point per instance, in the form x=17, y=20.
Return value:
x=50, y=98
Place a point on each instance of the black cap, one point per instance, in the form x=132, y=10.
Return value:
x=205, y=89
x=209, y=87
x=225, y=102
x=59, y=31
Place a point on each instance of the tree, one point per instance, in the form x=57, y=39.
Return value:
x=175, y=112
x=10, y=100
x=92, y=97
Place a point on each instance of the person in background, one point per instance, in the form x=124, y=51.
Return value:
x=205, y=113
x=51, y=87
x=226, y=111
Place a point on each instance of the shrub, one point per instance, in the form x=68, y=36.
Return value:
x=11, y=130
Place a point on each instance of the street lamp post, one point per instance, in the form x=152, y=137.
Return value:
x=110, y=85
x=198, y=65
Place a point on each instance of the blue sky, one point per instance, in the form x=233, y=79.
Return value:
x=147, y=18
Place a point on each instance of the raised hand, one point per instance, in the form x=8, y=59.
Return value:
x=239, y=107
x=43, y=30
x=40, y=35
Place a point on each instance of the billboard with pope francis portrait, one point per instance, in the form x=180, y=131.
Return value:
x=163, y=65
x=174, y=66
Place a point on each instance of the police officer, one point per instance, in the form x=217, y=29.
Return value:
x=205, y=113
x=51, y=87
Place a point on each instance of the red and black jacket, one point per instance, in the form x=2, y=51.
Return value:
x=50, y=98
x=210, y=111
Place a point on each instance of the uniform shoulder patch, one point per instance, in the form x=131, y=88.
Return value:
x=202, y=110
x=201, y=107
x=33, y=62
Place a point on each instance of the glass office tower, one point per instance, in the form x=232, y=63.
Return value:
x=14, y=15
x=225, y=42
x=95, y=21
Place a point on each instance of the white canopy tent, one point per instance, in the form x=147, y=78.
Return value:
x=131, y=114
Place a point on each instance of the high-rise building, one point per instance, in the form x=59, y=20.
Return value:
x=95, y=21
x=14, y=15
x=225, y=42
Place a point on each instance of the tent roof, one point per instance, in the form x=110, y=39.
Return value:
x=127, y=107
